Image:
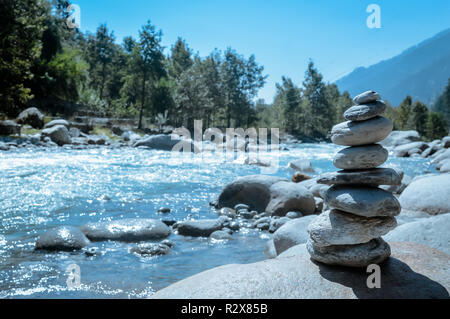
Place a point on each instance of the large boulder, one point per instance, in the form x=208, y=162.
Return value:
x=413, y=271
x=289, y=196
x=31, y=116
x=59, y=134
x=292, y=233
x=429, y=194
x=253, y=190
x=9, y=127
x=399, y=138
x=200, y=228
x=127, y=230
x=406, y=150
x=165, y=142
x=62, y=238
x=432, y=232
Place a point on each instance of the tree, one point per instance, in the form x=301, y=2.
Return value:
x=436, y=126
x=289, y=101
x=180, y=59
x=20, y=34
x=319, y=113
x=419, y=117
x=404, y=112
x=442, y=104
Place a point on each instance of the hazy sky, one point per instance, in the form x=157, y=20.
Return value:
x=282, y=34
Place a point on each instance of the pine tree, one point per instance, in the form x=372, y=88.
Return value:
x=404, y=112
x=436, y=126
x=419, y=117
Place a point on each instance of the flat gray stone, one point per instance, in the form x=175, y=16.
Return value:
x=361, y=255
x=200, y=228
x=151, y=249
x=363, y=201
x=413, y=271
x=339, y=228
x=62, y=238
x=366, y=97
x=128, y=230
x=375, y=176
x=289, y=196
x=353, y=133
x=365, y=111
x=292, y=233
x=361, y=157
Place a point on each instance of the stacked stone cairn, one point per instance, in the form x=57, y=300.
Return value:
x=349, y=232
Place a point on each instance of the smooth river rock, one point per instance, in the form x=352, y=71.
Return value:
x=366, y=97
x=361, y=157
x=128, y=230
x=413, y=271
x=432, y=231
x=59, y=134
x=360, y=255
x=365, y=111
x=289, y=196
x=429, y=194
x=361, y=133
x=339, y=228
x=63, y=238
x=362, y=201
x=375, y=176
x=200, y=228
x=292, y=233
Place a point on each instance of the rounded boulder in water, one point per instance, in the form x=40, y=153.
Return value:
x=62, y=238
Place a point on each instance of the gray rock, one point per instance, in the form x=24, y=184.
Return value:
x=246, y=214
x=363, y=201
x=292, y=233
x=58, y=134
x=288, y=196
x=234, y=226
x=429, y=194
x=220, y=235
x=339, y=228
x=168, y=242
x=405, y=149
x=62, y=238
x=127, y=230
x=4, y=147
x=375, y=176
x=301, y=165
x=275, y=224
x=444, y=166
x=413, y=271
x=319, y=204
x=398, y=189
x=269, y=249
x=446, y=142
x=432, y=232
x=366, y=97
x=293, y=215
x=364, y=112
x=164, y=210
x=151, y=249
x=400, y=138
x=229, y=212
x=74, y=132
x=31, y=116
x=130, y=136
x=441, y=156
x=253, y=190
x=9, y=127
x=166, y=143
x=361, y=255
x=200, y=228
x=432, y=148
x=238, y=207
x=361, y=157
x=319, y=190
x=57, y=122
x=361, y=133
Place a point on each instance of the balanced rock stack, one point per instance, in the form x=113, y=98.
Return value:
x=349, y=234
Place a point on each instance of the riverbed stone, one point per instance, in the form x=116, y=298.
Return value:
x=288, y=196
x=365, y=111
x=200, y=228
x=400, y=138
x=360, y=255
x=127, y=230
x=9, y=127
x=335, y=227
x=413, y=271
x=429, y=194
x=301, y=165
x=292, y=233
x=58, y=134
x=408, y=149
x=62, y=238
x=353, y=133
x=375, y=176
x=165, y=142
x=362, y=200
x=220, y=235
x=31, y=116
x=253, y=190
x=151, y=249
x=57, y=122
x=361, y=157
x=366, y=97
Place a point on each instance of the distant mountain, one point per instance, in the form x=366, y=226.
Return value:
x=421, y=71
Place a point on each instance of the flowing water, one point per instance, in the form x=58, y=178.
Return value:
x=43, y=188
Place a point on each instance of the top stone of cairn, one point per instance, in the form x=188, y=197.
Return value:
x=366, y=97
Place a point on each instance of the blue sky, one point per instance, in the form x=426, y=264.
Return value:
x=283, y=34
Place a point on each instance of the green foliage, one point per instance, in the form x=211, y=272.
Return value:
x=419, y=117
x=442, y=104
x=436, y=126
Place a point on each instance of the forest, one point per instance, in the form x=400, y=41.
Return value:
x=63, y=72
